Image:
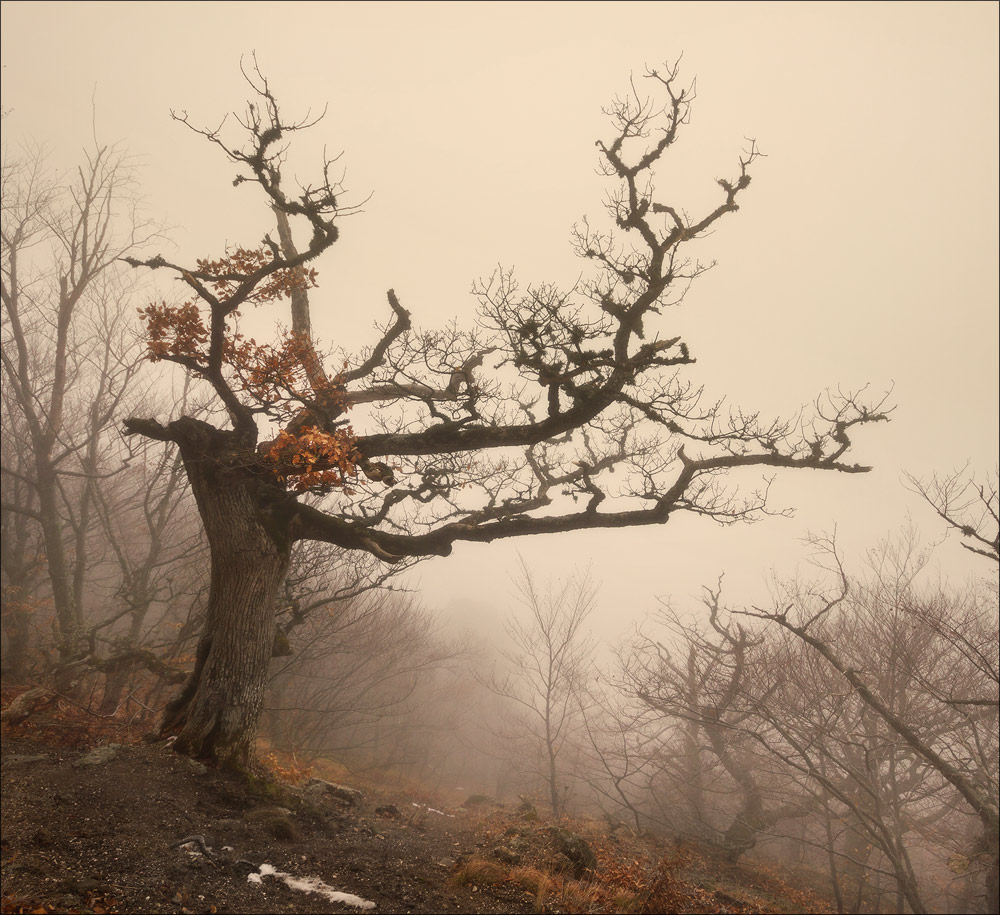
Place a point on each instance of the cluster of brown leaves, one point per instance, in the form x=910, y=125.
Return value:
x=650, y=875
x=180, y=331
x=239, y=265
x=175, y=331
x=668, y=891
x=315, y=461
x=286, y=768
x=62, y=721
x=768, y=880
x=16, y=600
x=285, y=379
x=629, y=875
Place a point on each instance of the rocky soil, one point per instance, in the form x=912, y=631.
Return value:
x=99, y=827
x=141, y=829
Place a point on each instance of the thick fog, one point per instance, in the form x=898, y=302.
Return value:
x=465, y=143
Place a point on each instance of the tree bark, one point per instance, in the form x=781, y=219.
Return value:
x=60, y=576
x=217, y=713
x=16, y=628
x=553, y=780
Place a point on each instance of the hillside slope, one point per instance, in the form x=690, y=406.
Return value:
x=105, y=832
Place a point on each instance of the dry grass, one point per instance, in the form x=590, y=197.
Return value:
x=578, y=897
x=479, y=871
x=532, y=880
x=536, y=882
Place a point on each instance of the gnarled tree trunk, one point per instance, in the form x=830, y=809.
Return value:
x=217, y=712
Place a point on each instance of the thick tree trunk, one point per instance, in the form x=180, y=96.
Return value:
x=60, y=576
x=217, y=713
x=15, y=659
x=114, y=686
x=742, y=833
x=17, y=631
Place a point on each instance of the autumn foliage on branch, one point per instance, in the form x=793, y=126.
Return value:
x=284, y=381
x=314, y=460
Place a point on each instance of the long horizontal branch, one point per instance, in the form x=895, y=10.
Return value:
x=448, y=439
x=311, y=523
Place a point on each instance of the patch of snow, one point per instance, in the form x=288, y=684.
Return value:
x=433, y=810
x=310, y=885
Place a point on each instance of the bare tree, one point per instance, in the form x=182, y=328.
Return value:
x=968, y=506
x=549, y=657
x=66, y=352
x=513, y=429
x=865, y=709
x=926, y=671
x=22, y=556
x=622, y=743
x=709, y=682
x=149, y=524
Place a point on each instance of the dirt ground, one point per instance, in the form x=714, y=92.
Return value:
x=104, y=838
x=99, y=827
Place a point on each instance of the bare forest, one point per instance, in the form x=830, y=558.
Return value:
x=213, y=522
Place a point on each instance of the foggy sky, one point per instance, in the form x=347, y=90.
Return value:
x=864, y=252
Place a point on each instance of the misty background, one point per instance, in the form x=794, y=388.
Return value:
x=865, y=252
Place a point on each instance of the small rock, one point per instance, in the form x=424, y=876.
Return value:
x=527, y=813
x=576, y=849
x=244, y=867
x=505, y=855
x=316, y=787
x=388, y=810
x=43, y=838
x=99, y=756
x=446, y=863
x=280, y=827
x=198, y=768
x=314, y=793
x=22, y=707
